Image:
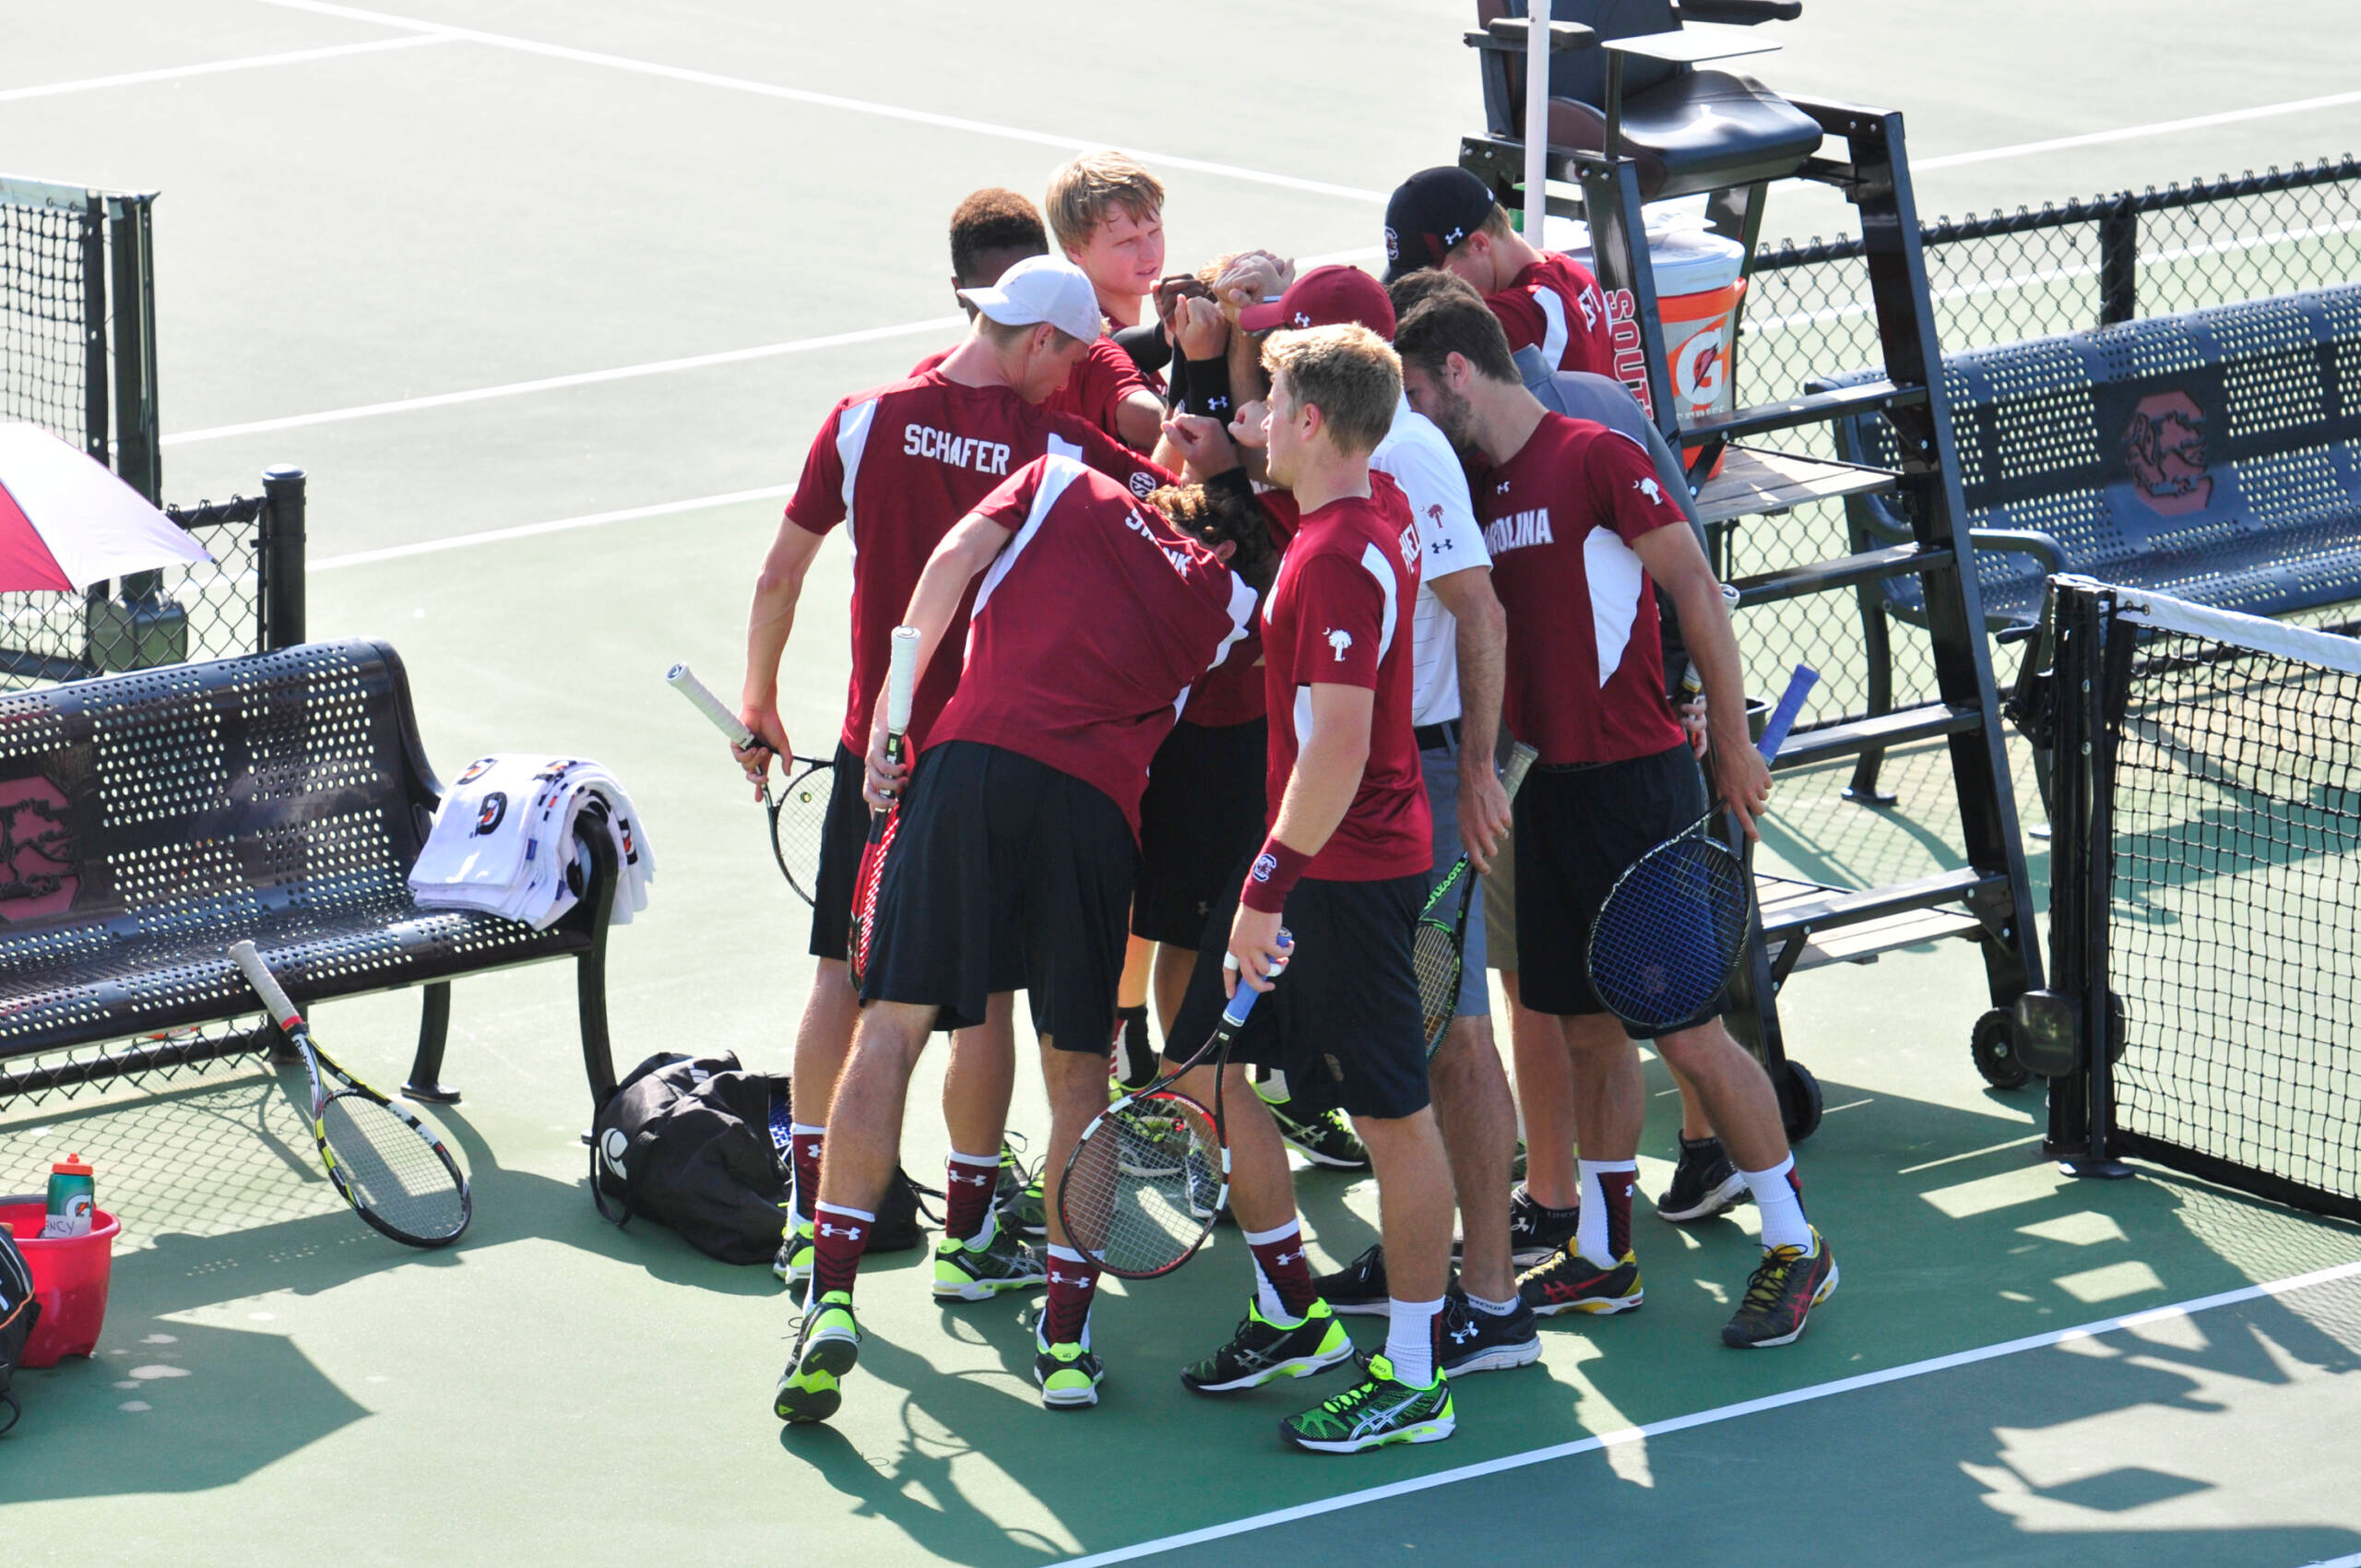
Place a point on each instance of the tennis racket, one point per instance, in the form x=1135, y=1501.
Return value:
x=901, y=680
x=1439, y=942
x=1148, y=1178
x=389, y=1166
x=1674, y=923
x=799, y=813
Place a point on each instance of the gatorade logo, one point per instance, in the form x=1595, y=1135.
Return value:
x=491, y=814
x=1699, y=367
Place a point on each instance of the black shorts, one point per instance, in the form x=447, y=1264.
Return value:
x=1004, y=872
x=844, y=833
x=1343, y=1023
x=1202, y=811
x=1577, y=830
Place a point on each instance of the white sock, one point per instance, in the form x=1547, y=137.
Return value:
x=1494, y=1309
x=1780, y=1201
x=1409, y=1340
x=1590, y=1228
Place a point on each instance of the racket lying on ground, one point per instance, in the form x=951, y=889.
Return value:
x=1672, y=927
x=1439, y=942
x=389, y=1167
x=901, y=680
x=1150, y=1174
x=799, y=813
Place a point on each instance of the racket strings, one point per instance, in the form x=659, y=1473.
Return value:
x=1666, y=938
x=1144, y=1185
x=798, y=825
x=1435, y=957
x=393, y=1171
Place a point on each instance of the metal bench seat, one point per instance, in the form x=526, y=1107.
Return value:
x=149, y=820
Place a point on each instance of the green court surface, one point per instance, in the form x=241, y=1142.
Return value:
x=446, y=257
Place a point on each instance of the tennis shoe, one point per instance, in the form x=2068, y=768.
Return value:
x=1535, y=1232
x=1705, y=1185
x=1069, y=1374
x=1780, y=1296
x=1017, y=1197
x=1371, y=1414
x=793, y=1265
x=964, y=1273
x=1260, y=1351
x=1570, y=1282
x=1357, y=1290
x=827, y=1343
x=1475, y=1340
x=1324, y=1138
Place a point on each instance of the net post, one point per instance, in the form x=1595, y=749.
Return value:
x=96, y=417
x=2070, y=1117
x=139, y=459
x=2119, y=262
x=279, y=549
x=2105, y=669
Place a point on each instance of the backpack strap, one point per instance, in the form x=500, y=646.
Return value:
x=621, y=1215
x=15, y=1412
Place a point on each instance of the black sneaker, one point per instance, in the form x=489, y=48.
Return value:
x=1570, y=1282
x=1260, y=1351
x=1705, y=1185
x=1780, y=1296
x=1535, y=1234
x=1475, y=1340
x=1357, y=1290
x=1325, y=1137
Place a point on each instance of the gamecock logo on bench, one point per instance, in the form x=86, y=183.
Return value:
x=40, y=862
x=2165, y=449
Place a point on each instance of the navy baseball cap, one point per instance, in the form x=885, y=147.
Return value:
x=1429, y=213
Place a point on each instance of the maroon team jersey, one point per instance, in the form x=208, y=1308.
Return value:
x=1559, y=518
x=1100, y=381
x=897, y=467
x=1339, y=614
x=1555, y=304
x=1089, y=628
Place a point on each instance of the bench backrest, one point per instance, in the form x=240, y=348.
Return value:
x=203, y=796
x=2169, y=436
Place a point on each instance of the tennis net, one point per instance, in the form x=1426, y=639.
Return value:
x=2226, y=790
x=52, y=311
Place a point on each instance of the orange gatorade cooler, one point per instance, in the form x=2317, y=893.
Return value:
x=1700, y=281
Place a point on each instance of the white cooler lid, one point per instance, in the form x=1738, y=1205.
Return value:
x=1688, y=258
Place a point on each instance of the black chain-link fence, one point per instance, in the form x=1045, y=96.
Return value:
x=2001, y=279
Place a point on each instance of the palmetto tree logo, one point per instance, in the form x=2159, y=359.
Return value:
x=40, y=860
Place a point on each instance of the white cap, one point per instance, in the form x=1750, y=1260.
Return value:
x=1041, y=287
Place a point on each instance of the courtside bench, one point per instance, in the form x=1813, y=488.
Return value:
x=2213, y=455
x=149, y=820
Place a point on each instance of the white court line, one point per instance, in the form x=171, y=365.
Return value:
x=581, y=378
x=828, y=100
x=2134, y=133
x=563, y=525
x=173, y=73
x=1721, y=1413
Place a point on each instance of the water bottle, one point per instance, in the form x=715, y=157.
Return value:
x=72, y=1192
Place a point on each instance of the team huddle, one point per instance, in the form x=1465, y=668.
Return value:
x=1225, y=620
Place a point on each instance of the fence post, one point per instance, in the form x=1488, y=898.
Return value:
x=2119, y=262
x=278, y=549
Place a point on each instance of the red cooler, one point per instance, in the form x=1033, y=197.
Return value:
x=70, y=1275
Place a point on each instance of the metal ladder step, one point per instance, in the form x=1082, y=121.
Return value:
x=1841, y=907
x=1817, y=408
x=1840, y=572
x=1810, y=746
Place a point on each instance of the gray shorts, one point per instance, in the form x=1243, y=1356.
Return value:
x=1441, y=765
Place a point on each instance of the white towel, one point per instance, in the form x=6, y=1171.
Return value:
x=503, y=840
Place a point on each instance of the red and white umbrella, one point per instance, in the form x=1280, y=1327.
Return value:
x=66, y=522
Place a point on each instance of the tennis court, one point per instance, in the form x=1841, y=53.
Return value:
x=548, y=299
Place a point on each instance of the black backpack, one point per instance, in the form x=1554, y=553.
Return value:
x=18, y=1311
x=695, y=1144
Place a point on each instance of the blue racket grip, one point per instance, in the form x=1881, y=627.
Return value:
x=1242, y=1002
x=1782, y=717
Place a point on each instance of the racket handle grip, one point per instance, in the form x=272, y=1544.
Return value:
x=901, y=679
x=1782, y=717
x=1521, y=760
x=1242, y=1002
x=274, y=996
x=684, y=681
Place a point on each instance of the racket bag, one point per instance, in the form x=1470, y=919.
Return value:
x=19, y=1309
x=686, y=1141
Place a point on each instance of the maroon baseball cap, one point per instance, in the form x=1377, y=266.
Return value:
x=1327, y=296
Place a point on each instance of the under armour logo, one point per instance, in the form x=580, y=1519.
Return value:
x=977, y=1180
x=1649, y=488
x=1502, y=488
x=1079, y=1281
x=1462, y=1335
x=1303, y=318
x=1285, y=1258
x=1338, y=641
x=849, y=1232
x=1453, y=235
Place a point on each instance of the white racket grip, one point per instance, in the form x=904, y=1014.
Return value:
x=683, y=681
x=274, y=996
x=901, y=679
x=1521, y=760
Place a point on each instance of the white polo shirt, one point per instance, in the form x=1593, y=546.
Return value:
x=1421, y=461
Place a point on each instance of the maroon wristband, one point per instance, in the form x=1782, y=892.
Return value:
x=1274, y=872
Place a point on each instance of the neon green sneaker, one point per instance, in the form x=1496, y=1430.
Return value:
x=1004, y=1262
x=827, y=1343
x=1069, y=1374
x=1260, y=1351
x=1374, y=1413
x=793, y=1265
